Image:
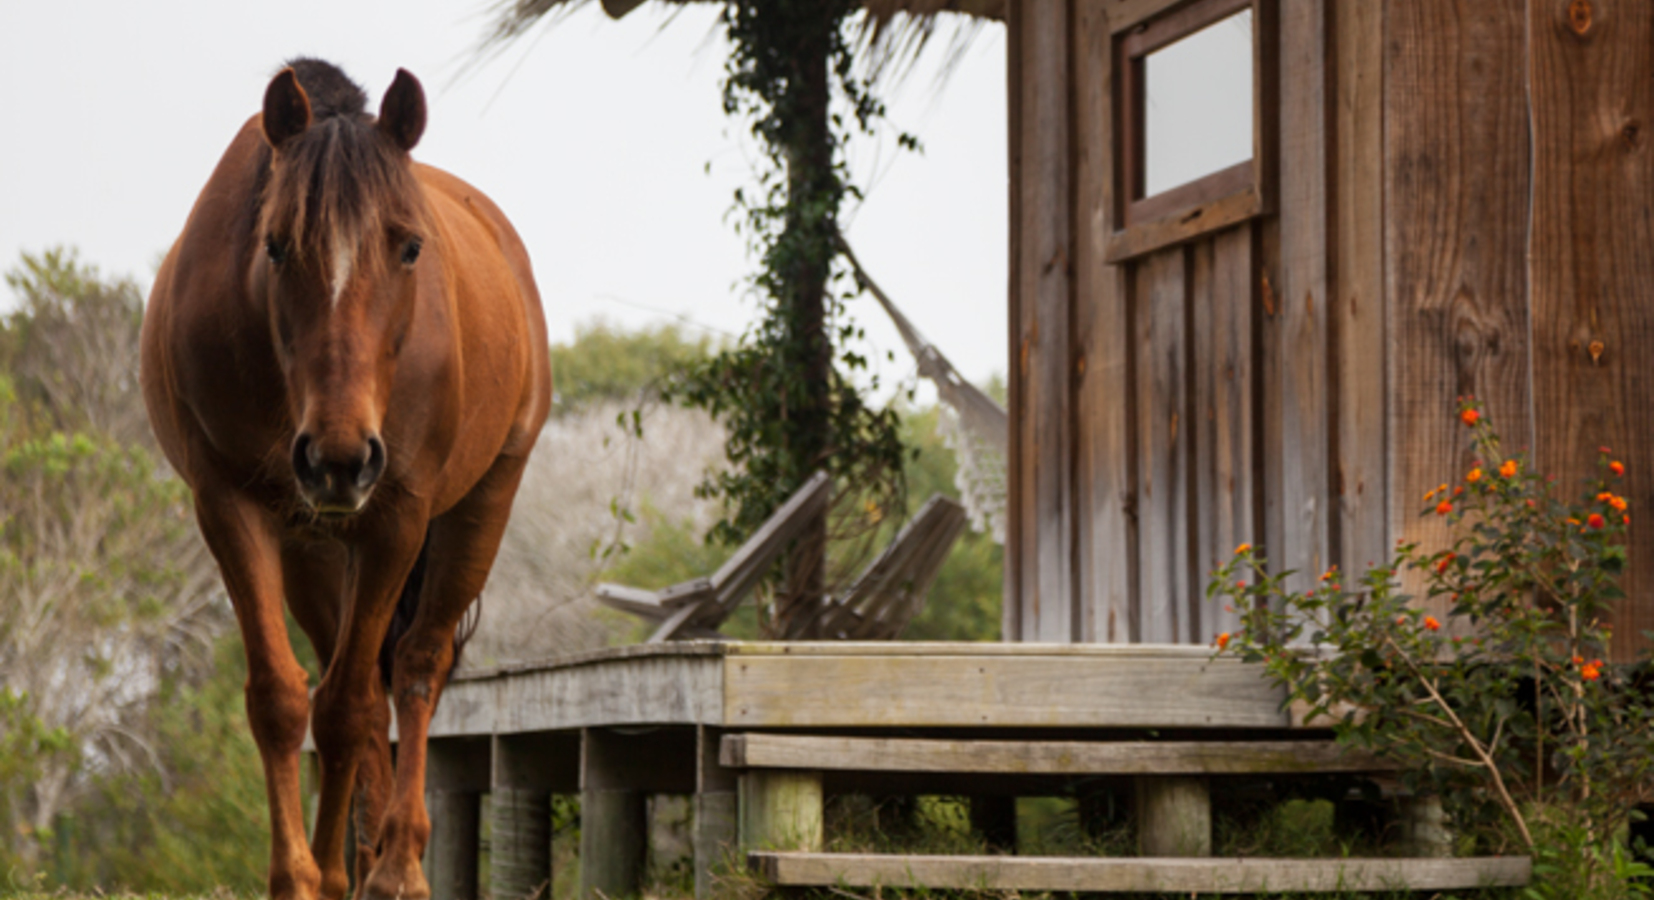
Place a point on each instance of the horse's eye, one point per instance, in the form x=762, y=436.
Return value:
x=410, y=251
x=275, y=250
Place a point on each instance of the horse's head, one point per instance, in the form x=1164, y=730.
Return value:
x=342, y=225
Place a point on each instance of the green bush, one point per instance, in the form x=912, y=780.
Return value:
x=1504, y=706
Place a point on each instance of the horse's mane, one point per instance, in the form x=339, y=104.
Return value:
x=341, y=178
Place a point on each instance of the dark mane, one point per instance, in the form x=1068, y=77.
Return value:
x=341, y=178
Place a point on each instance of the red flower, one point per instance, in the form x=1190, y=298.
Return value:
x=1430, y=624
x=1469, y=416
x=1447, y=560
x=1595, y=520
x=1443, y=508
x=1617, y=467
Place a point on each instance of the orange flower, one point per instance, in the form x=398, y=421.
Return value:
x=1447, y=560
x=1590, y=672
x=1618, y=503
x=1604, y=497
x=1440, y=488
x=1508, y=470
x=1430, y=623
x=1595, y=520
x=1242, y=549
x=1458, y=490
x=1428, y=496
x=1223, y=640
x=1443, y=508
x=1579, y=660
x=1617, y=467
x=1474, y=476
x=1469, y=416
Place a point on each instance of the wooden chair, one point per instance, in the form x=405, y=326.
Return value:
x=892, y=588
x=696, y=608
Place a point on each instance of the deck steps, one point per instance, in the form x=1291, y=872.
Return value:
x=829, y=753
x=1130, y=875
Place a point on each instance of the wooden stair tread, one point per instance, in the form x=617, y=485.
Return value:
x=816, y=752
x=1140, y=874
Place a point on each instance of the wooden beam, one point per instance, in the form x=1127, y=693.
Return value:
x=1205, y=219
x=452, y=851
x=1175, y=690
x=1171, y=876
x=786, y=751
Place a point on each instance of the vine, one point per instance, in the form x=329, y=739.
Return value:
x=784, y=392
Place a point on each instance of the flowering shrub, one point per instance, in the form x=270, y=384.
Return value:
x=1492, y=691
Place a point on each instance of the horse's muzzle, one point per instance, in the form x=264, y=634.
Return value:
x=337, y=483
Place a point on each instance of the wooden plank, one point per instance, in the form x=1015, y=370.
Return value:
x=1160, y=296
x=1172, y=876
x=1224, y=425
x=778, y=751
x=1456, y=201
x=1174, y=816
x=1124, y=14
x=1104, y=470
x=626, y=691
x=1201, y=192
x=1297, y=374
x=1148, y=237
x=1044, y=594
x=941, y=691
x=1591, y=255
x=1010, y=612
x=1357, y=321
x=717, y=817
x=1179, y=23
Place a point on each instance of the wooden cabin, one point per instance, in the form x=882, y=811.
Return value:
x=1443, y=198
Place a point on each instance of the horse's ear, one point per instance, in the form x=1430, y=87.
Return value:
x=402, y=112
x=286, y=108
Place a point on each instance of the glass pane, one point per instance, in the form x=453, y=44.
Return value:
x=1197, y=106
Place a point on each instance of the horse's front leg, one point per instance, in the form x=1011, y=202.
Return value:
x=245, y=540
x=351, y=717
x=463, y=542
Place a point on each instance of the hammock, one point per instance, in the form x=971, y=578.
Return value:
x=972, y=425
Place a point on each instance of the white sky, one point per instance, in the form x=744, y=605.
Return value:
x=604, y=141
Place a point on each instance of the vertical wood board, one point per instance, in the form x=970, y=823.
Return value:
x=1159, y=294
x=1102, y=373
x=1590, y=257
x=1456, y=186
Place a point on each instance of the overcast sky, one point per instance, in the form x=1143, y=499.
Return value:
x=604, y=141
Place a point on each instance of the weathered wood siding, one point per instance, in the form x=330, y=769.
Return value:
x=1462, y=207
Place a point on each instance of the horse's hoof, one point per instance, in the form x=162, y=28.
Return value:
x=393, y=882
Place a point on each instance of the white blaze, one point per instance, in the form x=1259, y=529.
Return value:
x=344, y=256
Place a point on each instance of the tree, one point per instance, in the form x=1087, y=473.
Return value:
x=108, y=588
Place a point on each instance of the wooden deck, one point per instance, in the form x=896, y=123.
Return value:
x=864, y=685
x=759, y=733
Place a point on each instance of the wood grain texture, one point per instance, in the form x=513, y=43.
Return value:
x=1172, y=876
x=1174, y=816
x=1160, y=296
x=1456, y=193
x=1035, y=691
x=1297, y=373
x=613, y=829
x=1224, y=427
x=1041, y=399
x=780, y=810
x=1591, y=253
x=642, y=690
x=778, y=751
x=1010, y=612
x=1105, y=540
x=451, y=851
x=519, y=859
x=1357, y=319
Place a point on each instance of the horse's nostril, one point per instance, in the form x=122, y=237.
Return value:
x=375, y=464
x=305, y=463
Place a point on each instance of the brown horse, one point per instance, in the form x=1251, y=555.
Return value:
x=345, y=358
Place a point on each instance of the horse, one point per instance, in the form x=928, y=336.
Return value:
x=345, y=358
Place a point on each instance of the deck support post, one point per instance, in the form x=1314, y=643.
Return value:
x=780, y=810
x=614, y=812
x=528, y=769
x=1174, y=816
x=457, y=773
x=716, y=832
x=1424, y=826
